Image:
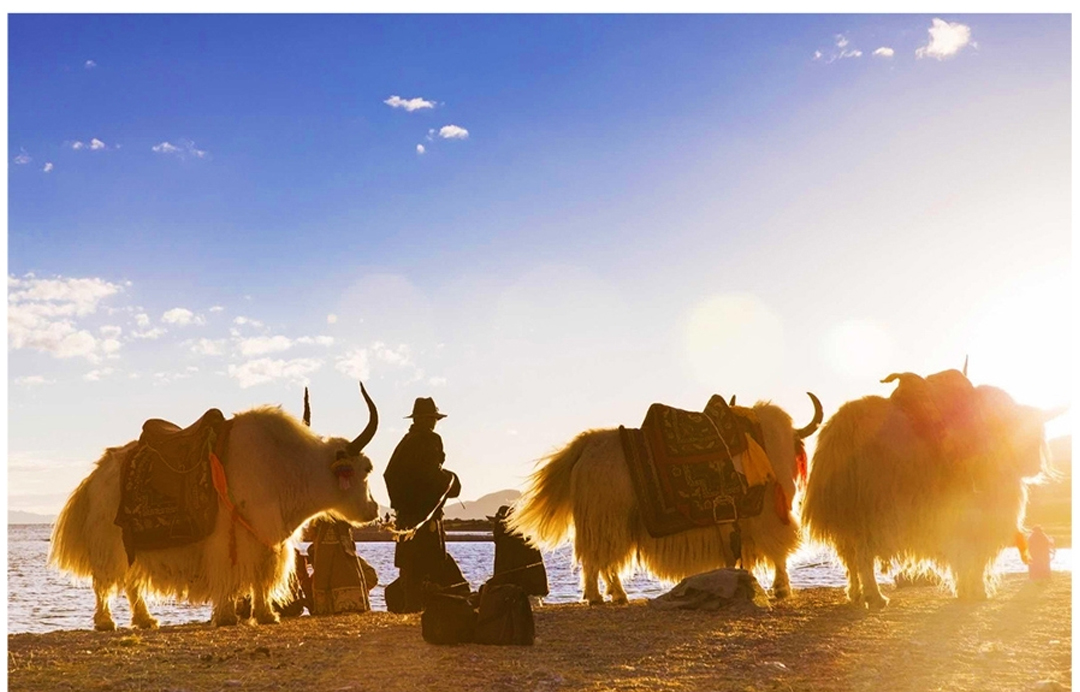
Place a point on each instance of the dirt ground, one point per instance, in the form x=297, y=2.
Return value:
x=924, y=640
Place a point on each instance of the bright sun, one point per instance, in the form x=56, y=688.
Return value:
x=1021, y=342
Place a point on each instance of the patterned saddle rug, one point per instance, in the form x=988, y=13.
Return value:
x=682, y=467
x=167, y=495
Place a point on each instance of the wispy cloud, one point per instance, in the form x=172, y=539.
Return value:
x=265, y=370
x=453, y=132
x=96, y=144
x=209, y=347
x=410, y=105
x=182, y=149
x=241, y=320
x=48, y=167
x=96, y=375
x=320, y=340
x=76, y=145
x=216, y=308
x=841, y=50
x=182, y=317
x=355, y=364
x=43, y=313
x=946, y=39
x=884, y=52
x=149, y=334
x=331, y=319
x=89, y=64
x=23, y=158
x=261, y=345
x=33, y=381
x=420, y=149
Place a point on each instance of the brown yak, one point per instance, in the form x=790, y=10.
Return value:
x=933, y=477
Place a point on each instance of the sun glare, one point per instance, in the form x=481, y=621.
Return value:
x=734, y=342
x=859, y=350
x=1021, y=342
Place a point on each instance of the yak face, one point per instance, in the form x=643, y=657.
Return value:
x=1017, y=433
x=352, y=474
x=352, y=468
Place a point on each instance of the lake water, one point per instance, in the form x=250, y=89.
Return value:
x=41, y=599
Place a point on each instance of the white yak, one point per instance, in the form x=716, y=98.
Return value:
x=586, y=488
x=279, y=474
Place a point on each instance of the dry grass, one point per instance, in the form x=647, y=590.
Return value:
x=923, y=641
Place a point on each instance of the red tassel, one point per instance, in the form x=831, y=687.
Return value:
x=783, y=509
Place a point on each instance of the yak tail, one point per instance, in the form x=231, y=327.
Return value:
x=69, y=547
x=544, y=513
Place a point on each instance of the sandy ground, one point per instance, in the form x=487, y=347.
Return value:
x=924, y=640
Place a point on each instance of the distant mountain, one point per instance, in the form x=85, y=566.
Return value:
x=481, y=507
x=30, y=518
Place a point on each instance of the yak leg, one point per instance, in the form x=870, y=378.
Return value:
x=970, y=581
x=590, y=576
x=224, y=613
x=615, y=587
x=854, y=590
x=102, y=614
x=261, y=609
x=781, y=581
x=870, y=591
x=140, y=615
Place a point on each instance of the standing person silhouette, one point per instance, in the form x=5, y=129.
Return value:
x=418, y=486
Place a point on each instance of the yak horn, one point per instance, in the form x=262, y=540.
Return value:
x=818, y=416
x=732, y=402
x=965, y=365
x=361, y=441
x=902, y=376
x=307, y=409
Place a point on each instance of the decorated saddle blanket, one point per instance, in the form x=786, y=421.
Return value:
x=167, y=494
x=692, y=470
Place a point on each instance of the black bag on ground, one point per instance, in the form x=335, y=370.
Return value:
x=505, y=616
x=447, y=619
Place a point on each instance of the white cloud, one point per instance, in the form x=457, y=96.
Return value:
x=96, y=375
x=42, y=314
x=355, y=364
x=841, y=41
x=420, y=149
x=182, y=317
x=48, y=167
x=453, y=132
x=142, y=319
x=437, y=381
x=431, y=135
x=247, y=320
x=817, y=55
x=265, y=370
x=399, y=356
x=216, y=308
x=320, y=340
x=182, y=149
x=90, y=64
x=408, y=104
x=885, y=52
x=946, y=39
x=148, y=333
x=260, y=345
x=110, y=331
x=331, y=319
x=33, y=381
x=23, y=159
x=77, y=145
x=209, y=347
x=96, y=144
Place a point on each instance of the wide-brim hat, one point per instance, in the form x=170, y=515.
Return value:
x=424, y=407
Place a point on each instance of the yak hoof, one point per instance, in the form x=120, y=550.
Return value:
x=781, y=593
x=268, y=619
x=620, y=600
x=876, y=603
x=147, y=623
x=226, y=620
x=107, y=626
x=597, y=601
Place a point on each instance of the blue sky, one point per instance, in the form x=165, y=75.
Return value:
x=606, y=211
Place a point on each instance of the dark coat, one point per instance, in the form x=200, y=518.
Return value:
x=415, y=478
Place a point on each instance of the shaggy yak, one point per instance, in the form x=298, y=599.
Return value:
x=586, y=487
x=933, y=477
x=278, y=474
